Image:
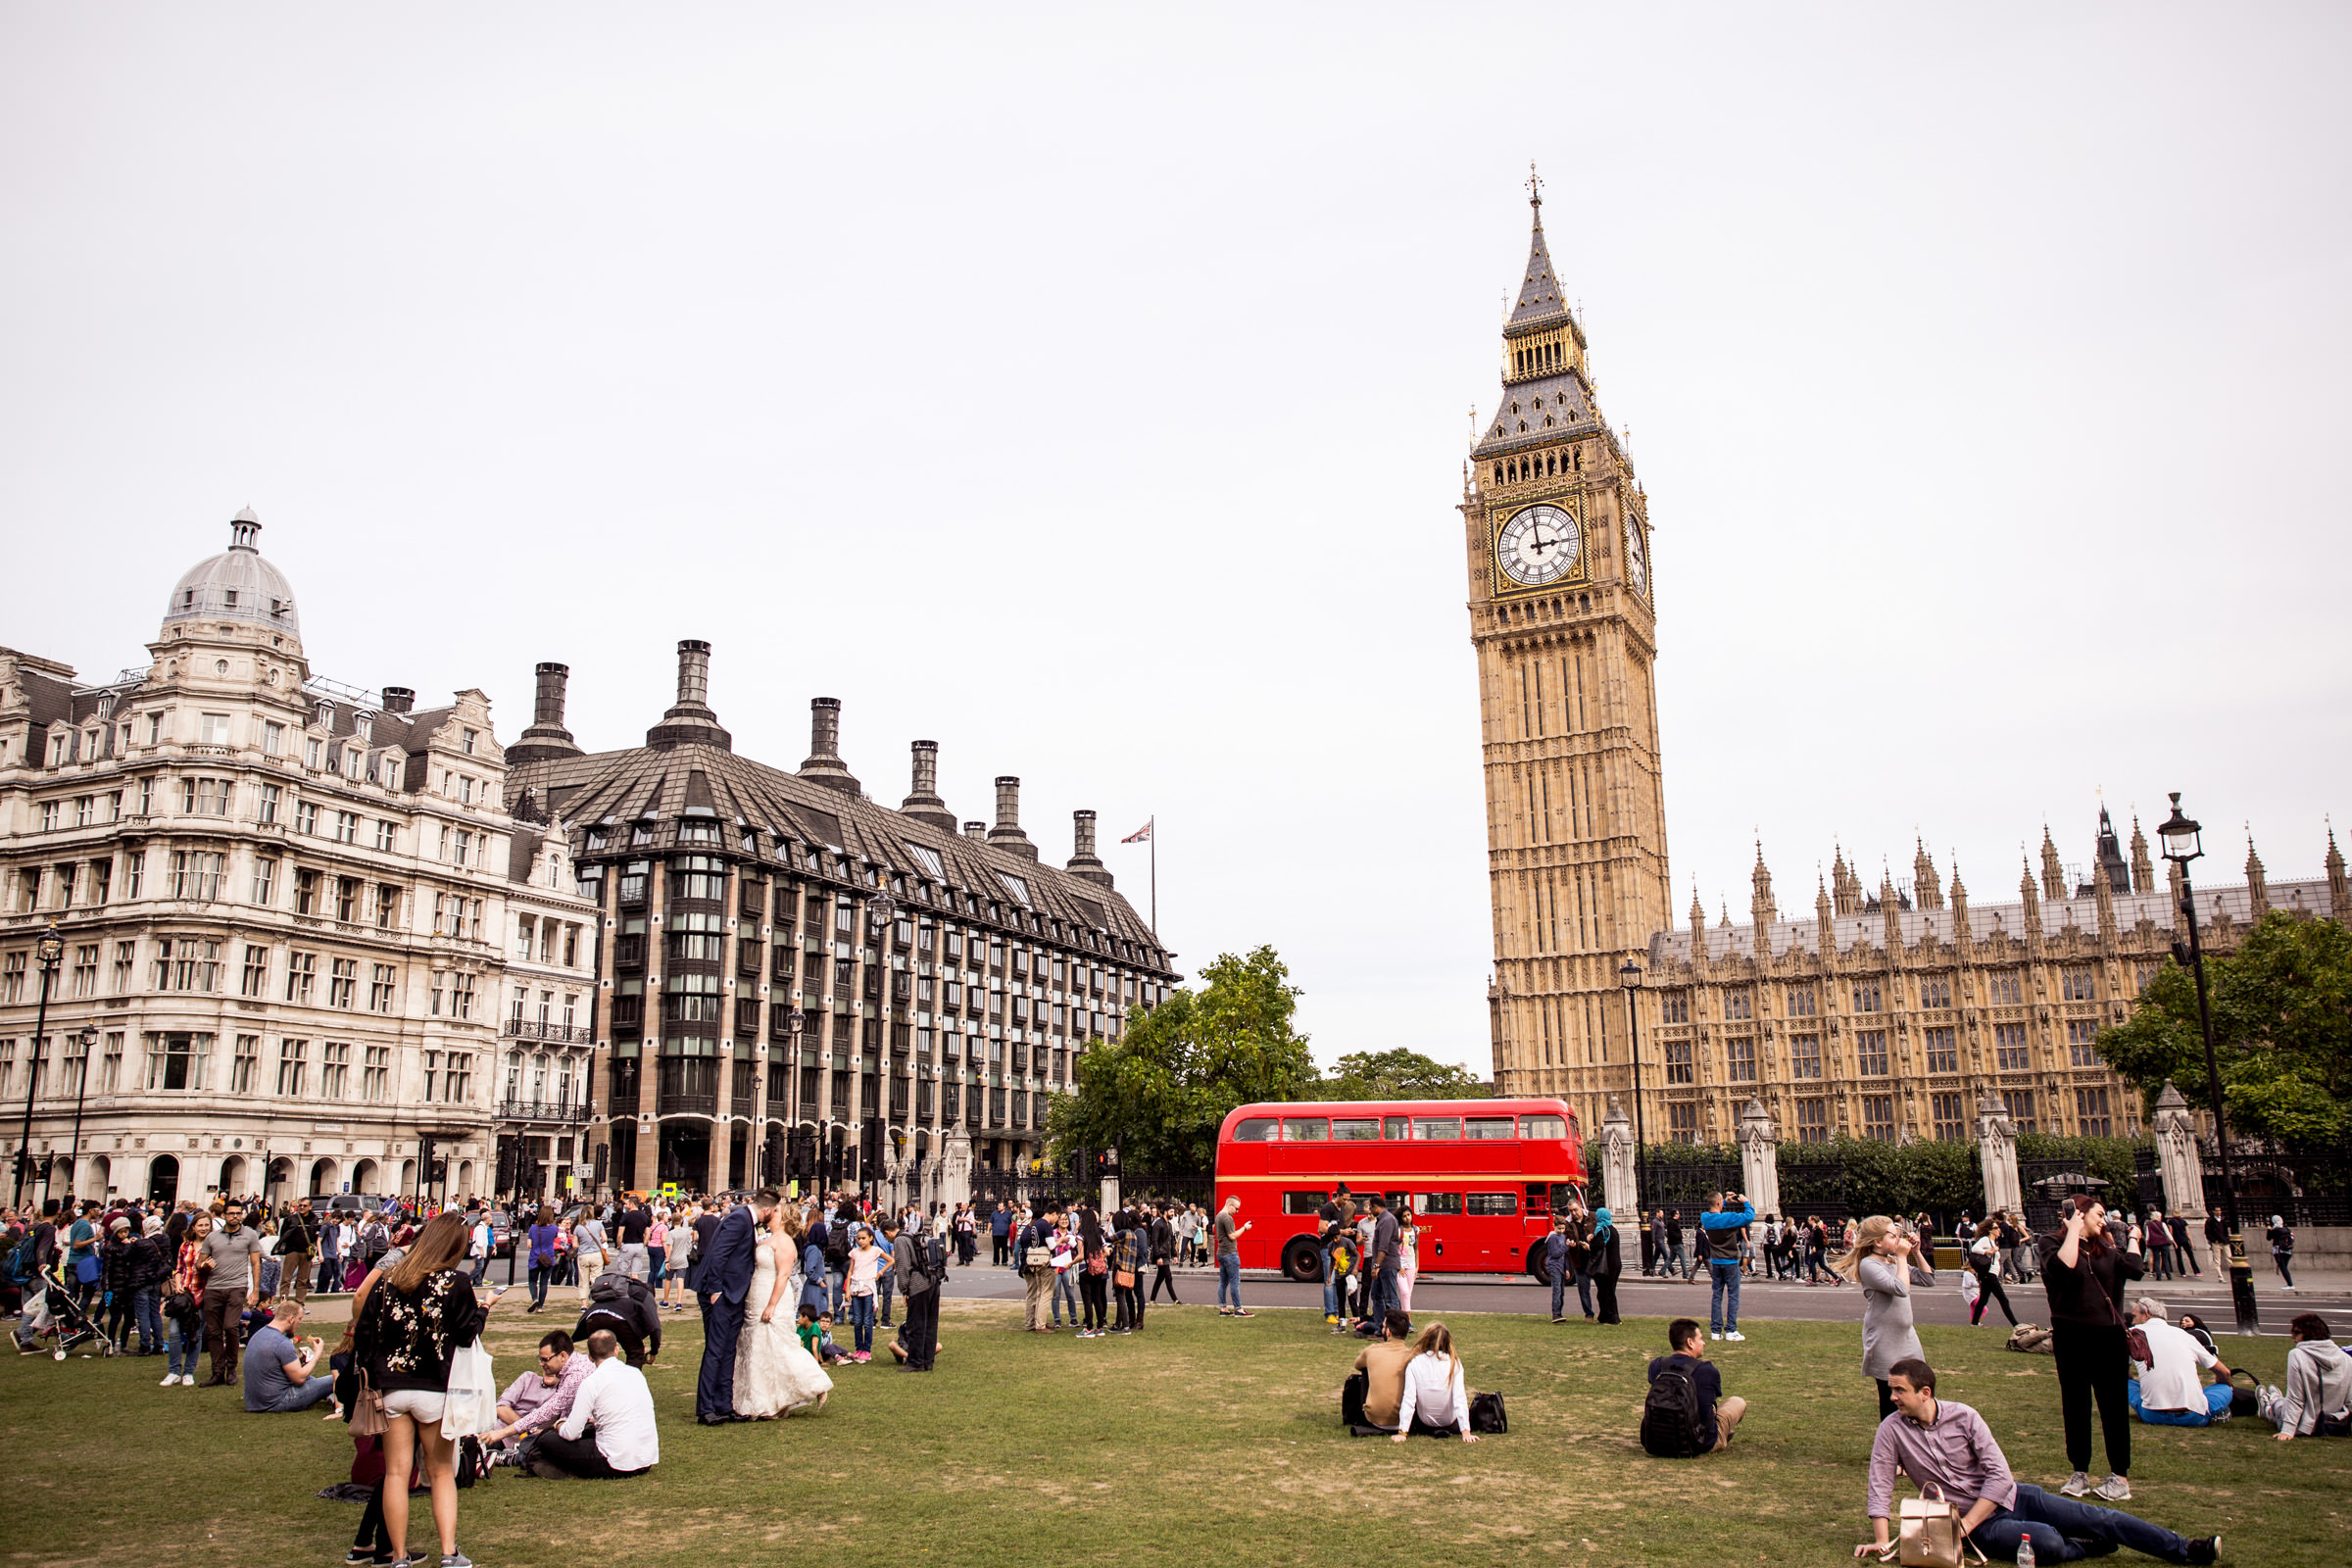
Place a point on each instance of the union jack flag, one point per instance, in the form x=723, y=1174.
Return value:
x=1140, y=835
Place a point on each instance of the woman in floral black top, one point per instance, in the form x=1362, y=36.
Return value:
x=419, y=1314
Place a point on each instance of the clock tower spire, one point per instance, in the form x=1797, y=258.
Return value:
x=1563, y=624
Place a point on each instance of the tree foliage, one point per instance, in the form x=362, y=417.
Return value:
x=1159, y=1093
x=1397, y=1074
x=2281, y=1033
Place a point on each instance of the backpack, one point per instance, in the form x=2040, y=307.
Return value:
x=1675, y=1424
x=1487, y=1415
x=25, y=1261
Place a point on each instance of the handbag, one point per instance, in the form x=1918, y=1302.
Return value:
x=367, y=1419
x=1038, y=1257
x=1124, y=1278
x=1487, y=1415
x=1931, y=1534
x=469, y=1405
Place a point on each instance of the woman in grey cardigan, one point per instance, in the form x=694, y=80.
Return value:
x=1884, y=1262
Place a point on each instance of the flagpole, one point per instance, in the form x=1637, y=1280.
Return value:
x=1155, y=875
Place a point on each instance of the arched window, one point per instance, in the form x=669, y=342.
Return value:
x=539, y=1076
x=514, y=1075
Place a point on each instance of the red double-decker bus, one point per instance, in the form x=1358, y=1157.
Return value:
x=1480, y=1178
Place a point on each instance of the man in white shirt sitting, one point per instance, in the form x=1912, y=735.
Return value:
x=610, y=1432
x=2166, y=1391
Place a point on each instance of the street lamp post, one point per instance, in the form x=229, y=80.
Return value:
x=50, y=950
x=879, y=910
x=87, y=1040
x=2182, y=842
x=796, y=1020
x=1629, y=974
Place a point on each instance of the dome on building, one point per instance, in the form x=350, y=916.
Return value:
x=236, y=585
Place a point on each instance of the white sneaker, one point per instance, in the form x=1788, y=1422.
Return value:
x=169, y=1378
x=1737, y=1338
x=2115, y=1489
x=1714, y=1336
x=2076, y=1485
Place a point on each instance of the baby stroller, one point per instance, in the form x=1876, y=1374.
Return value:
x=58, y=1312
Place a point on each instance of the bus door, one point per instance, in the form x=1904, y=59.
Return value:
x=1442, y=1249
x=1492, y=1214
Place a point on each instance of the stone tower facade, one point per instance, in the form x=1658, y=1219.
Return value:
x=1563, y=623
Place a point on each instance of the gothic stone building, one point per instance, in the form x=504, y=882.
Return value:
x=796, y=981
x=1881, y=1016
x=286, y=907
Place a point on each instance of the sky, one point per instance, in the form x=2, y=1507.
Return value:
x=1087, y=389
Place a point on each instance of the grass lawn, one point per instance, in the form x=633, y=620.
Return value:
x=1202, y=1437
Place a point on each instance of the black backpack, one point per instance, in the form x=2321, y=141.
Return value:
x=1675, y=1422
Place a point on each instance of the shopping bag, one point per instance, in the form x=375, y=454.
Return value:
x=470, y=1404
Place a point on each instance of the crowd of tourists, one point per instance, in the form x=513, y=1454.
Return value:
x=791, y=1289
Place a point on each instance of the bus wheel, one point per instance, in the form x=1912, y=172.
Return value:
x=1301, y=1260
x=1535, y=1265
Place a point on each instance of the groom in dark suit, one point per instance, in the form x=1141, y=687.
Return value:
x=724, y=1280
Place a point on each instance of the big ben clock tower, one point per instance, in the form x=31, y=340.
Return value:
x=1563, y=618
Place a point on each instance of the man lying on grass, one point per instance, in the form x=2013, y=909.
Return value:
x=1947, y=1444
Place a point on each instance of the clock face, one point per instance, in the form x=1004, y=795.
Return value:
x=1636, y=558
x=1539, y=545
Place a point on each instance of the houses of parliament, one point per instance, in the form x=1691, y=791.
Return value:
x=1887, y=1013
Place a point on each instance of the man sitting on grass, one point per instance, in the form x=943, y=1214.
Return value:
x=2165, y=1390
x=609, y=1433
x=1686, y=1413
x=1375, y=1390
x=280, y=1368
x=1947, y=1445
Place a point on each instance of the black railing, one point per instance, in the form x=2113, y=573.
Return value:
x=562, y=1034
x=563, y=1111
x=1814, y=1187
x=684, y=1104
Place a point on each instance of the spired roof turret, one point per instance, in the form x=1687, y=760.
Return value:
x=236, y=585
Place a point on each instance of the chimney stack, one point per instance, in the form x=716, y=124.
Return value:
x=976, y=830
x=548, y=711
x=924, y=803
x=546, y=738
x=400, y=700
x=690, y=721
x=1007, y=835
x=1085, y=863
x=824, y=764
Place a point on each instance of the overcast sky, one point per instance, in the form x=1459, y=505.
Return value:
x=1089, y=392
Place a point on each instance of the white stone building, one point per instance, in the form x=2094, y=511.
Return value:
x=292, y=916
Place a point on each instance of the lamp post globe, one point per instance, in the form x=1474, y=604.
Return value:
x=2181, y=837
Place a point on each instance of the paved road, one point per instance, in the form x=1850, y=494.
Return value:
x=1758, y=1298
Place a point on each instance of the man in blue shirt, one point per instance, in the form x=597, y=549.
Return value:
x=1721, y=1230
x=279, y=1367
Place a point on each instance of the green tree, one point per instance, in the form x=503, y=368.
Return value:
x=2281, y=1033
x=1159, y=1092
x=1397, y=1074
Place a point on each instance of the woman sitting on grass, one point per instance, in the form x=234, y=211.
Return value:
x=1437, y=1395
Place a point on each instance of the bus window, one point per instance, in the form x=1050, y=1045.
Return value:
x=1393, y=1127
x=1301, y=1202
x=1563, y=1195
x=1543, y=1126
x=1354, y=1129
x=1437, y=1203
x=1306, y=1130
x=1539, y=1199
x=1253, y=1130
x=1488, y=1127
x=1493, y=1204
x=1443, y=1129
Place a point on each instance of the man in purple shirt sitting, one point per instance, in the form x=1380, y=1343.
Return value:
x=524, y=1411
x=1947, y=1445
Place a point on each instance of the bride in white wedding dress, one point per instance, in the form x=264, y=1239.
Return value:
x=774, y=1375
